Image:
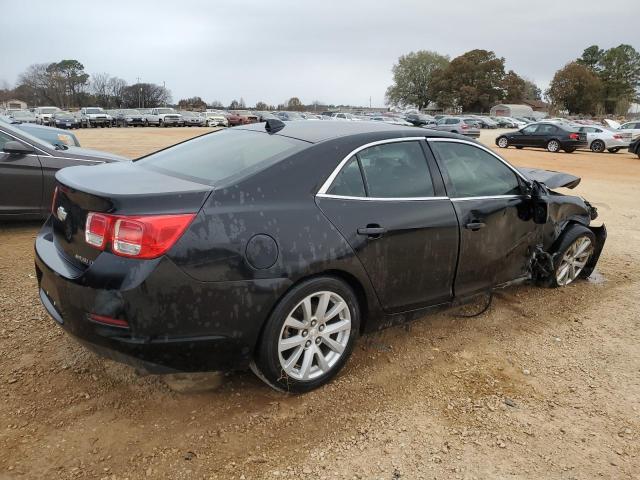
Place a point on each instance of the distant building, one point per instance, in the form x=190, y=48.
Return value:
x=13, y=105
x=512, y=110
x=537, y=105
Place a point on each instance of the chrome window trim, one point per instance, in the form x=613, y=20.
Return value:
x=77, y=159
x=378, y=199
x=487, y=197
x=325, y=186
x=486, y=149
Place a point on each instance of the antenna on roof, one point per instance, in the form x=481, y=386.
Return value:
x=273, y=125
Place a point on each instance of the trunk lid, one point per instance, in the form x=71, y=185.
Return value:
x=119, y=189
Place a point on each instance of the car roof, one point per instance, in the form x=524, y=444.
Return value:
x=315, y=131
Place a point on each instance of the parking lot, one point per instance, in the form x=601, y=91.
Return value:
x=546, y=383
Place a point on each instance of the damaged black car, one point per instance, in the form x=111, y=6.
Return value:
x=273, y=246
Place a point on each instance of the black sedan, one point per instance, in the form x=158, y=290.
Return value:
x=275, y=245
x=27, y=169
x=64, y=120
x=551, y=136
x=634, y=147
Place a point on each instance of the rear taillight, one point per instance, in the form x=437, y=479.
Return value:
x=96, y=231
x=139, y=236
x=465, y=126
x=574, y=136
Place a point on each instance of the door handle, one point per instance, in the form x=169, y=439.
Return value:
x=475, y=226
x=372, y=230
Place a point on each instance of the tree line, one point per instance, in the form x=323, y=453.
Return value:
x=599, y=82
x=65, y=84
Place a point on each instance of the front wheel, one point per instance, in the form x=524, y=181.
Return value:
x=573, y=254
x=569, y=149
x=553, y=146
x=309, y=336
x=503, y=142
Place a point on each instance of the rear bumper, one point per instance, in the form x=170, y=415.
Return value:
x=175, y=322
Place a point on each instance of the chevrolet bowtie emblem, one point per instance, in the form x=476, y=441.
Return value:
x=61, y=213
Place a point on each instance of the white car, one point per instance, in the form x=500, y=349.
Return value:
x=631, y=127
x=94, y=117
x=216, y=119
x=344, y=116
x=163, y=117
x=45, y=114
x=600, y=139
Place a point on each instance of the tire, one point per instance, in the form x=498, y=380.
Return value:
x=582, y=240
x=160, y=123
x=503, y=142
x=288, y=321
x=519, y=148
x=569, y=149
x=613, y=150
x=553, y=146
x=597, y=146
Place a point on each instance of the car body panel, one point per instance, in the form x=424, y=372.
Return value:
x=203, y=304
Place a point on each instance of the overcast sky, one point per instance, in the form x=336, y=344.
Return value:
x=332, y=51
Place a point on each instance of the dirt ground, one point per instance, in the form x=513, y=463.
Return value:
x=546, y=384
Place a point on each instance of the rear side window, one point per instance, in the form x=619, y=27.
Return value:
x=396, y=170
x=546, y=129
x=223, y=155
x=349, y=182
x=474, y=172
x=451, y=121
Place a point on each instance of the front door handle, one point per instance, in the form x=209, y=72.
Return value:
x=372, y=230
x=475, y=226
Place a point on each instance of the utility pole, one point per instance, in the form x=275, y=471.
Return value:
x=139, y=93
x=164, y=93
x=369, y=102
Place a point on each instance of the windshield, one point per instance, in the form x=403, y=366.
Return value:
x=165, y=110
x=219, y=156
x=63, y=115
x=22, y=114
x=94, y=110
x=132, y=112
x=48, y=110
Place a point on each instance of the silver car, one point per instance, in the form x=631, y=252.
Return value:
x=463, y=126
x=601, y=139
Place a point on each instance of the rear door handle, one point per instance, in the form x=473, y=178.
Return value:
x=475, y=226
x=373, y=231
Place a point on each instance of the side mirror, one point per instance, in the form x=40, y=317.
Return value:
x=540, y=206
x=16, y=148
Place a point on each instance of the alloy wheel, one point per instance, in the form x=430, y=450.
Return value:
x=503, y=142
x=314, y=335
x=553, y=146
x=598, y=146
x=574, y=260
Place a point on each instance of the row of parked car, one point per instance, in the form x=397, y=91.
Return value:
x=98, y=117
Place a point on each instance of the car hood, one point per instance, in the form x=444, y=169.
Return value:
x=94, y=154
x=550, y=178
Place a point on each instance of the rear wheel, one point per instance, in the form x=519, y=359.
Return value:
x=597, y=146
x=503, y=142
x=309, y=336
x=553, y=146
x=573, y=254
x=613, y=150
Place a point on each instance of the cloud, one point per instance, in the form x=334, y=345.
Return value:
x=333, y=51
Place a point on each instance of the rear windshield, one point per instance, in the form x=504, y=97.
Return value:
x=221, y=157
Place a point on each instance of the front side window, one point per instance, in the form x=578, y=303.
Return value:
x=474, y=172
x=396, y=170
x=4, y=139
x=530, y=130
